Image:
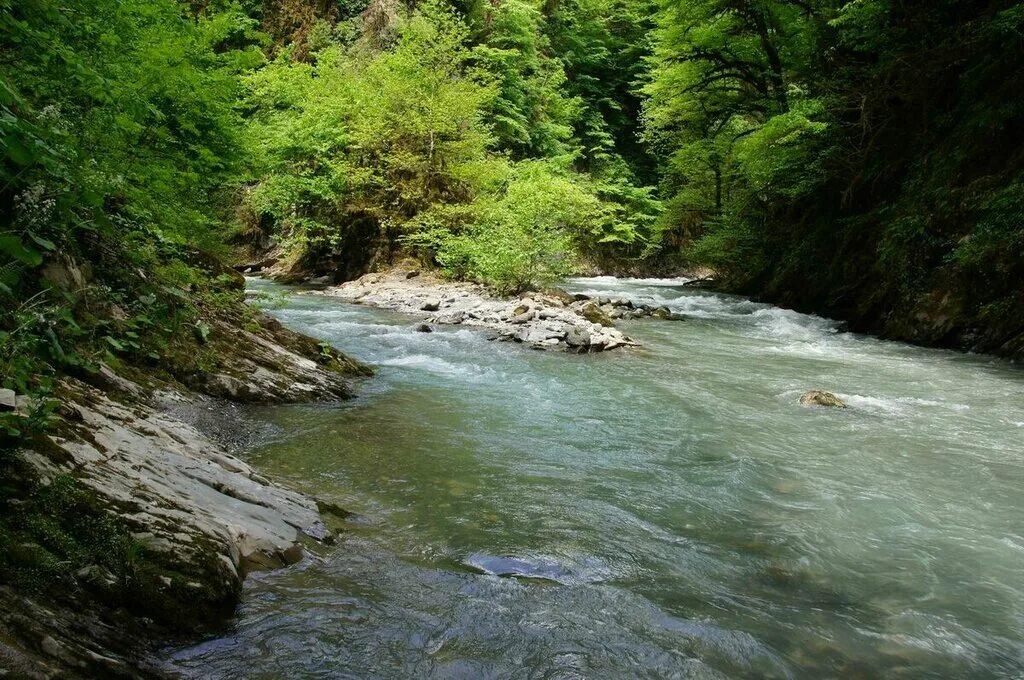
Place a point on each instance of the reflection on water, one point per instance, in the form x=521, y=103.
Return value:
x=663, y=512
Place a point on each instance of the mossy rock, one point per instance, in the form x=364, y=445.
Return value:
x=593, y=313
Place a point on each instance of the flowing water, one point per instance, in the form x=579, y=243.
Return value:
x=667, y=512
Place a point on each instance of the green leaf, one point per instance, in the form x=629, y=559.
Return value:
x=46, y=244
x=12, y=246
x=19, y=153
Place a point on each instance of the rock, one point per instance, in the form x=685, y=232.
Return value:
x=260, y=265
x=821, y=398
x=526, y=316
x=520, y=310
x=318, y=530
x=180, y=494
x=594, y=314
x=431, y=305
x=8, y=400
x=577, y=336
x=560, y=294
x=320, y=281
x=26, y=405
x=454, y=318
x=229, y=387
x=661, y=313
x=413, y=274
x=424, y=328
x=66, y=273
x=327, y=507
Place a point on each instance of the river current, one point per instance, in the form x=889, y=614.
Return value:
x=663, y=512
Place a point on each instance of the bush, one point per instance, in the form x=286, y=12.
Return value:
x=524, y=235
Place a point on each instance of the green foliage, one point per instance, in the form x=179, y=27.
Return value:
x=531, y=115
x=119, y=133
x=852, y=158
x=523, y=236
x=431, y=140
x=384, y=136
x=603, y=45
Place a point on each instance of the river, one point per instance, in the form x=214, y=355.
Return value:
x=664, y=512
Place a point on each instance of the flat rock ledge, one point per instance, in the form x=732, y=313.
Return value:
x=549, y=320
x=206, y=517
x=202, y=517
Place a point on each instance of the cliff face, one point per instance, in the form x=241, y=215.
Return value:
x=196, y=518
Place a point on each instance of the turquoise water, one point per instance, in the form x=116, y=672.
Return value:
x=666, y=512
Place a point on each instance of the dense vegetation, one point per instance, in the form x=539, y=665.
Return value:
x=861, y=159
x=460, y=136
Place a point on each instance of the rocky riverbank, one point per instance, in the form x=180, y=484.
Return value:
x=548, y=320
x=194, y=518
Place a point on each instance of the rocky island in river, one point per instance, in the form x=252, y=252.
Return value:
x=548, y=319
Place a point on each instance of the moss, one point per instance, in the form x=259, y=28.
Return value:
x=59, y=537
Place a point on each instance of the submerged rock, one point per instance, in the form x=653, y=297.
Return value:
x=821, y=398
x=536, y=568
x=424, y=328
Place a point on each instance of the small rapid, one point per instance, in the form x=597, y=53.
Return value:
x=665, y=512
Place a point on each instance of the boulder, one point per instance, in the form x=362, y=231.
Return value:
x=578, y=336
x=453, y=318
x=539, y=335
x=257, y=266
x=594, y=314
x=8, y=400
x=539, y=319
x=821, y=398
x=67, y=274
x=424, y=328
x=522, y=318
x=560, y=294
x=413, y=274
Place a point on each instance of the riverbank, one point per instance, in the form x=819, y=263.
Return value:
x=160, y=521
x=546, y=320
